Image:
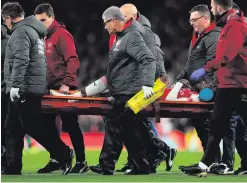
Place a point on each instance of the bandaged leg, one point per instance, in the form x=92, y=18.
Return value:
x=96, y=87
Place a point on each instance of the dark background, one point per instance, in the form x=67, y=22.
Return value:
x=169, y=19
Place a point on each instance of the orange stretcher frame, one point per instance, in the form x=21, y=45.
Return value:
x=101, y=106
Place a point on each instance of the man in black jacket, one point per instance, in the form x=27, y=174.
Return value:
x=202, y=49
x=4, y=97
x=25, y=77
x=155, y=145
x=131, y=68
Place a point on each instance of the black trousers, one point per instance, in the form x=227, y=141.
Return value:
x=202, y=128
x=24, y=117
x=70, y=124
x=241, y=142
x=228, y=156
x=4, y=111
x=153, y=144
x=124, y=126
x=4, y=107
x=227, y=101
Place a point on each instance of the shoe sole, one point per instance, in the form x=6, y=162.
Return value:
x=171, y=158
x=200, y=175
x=243, y=173
x=84, y=170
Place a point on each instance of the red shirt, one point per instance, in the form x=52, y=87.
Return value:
x=62, y=59
x=183, y=93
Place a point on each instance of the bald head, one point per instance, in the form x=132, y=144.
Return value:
x=129, y=11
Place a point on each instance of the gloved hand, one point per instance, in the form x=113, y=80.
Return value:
x=235, y=118
x=197, y=74
x=148, y=91
x=14, y=93
x=164, y=79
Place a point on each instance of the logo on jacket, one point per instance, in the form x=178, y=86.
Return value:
x=41, y=47
x=49, y=47
x=244, y=97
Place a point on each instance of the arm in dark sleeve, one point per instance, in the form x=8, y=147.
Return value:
x=21, y=50
x=229, y=48
x=138, y=50
x=71, y=58
x=160, y=58
x=210, y=44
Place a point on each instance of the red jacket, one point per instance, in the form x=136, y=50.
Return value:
x=231, y=52
x=62, y=59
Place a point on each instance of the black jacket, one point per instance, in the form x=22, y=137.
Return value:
x=201, y=52
x=4, y=41
x=153, y=42
x=25, y=62
x=131, y=64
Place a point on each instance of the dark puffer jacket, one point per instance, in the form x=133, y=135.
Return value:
x=153, y=42
x=131, y=63
x=25, y=63
x=4, y=41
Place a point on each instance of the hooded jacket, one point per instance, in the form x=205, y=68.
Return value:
x=62, y=60
x=4, y=41
x=25, y=62
x=131, y=64
x=231, y=53
x=152, y=41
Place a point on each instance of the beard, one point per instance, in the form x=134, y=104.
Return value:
x=216, y=14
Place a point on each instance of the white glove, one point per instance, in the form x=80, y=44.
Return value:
x=148, y=91
x=14, y=92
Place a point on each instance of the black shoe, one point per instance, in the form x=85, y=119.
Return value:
x=183, y=167
x=213, y=168
x=134, y=172
x=195, y=170
x=52, y=165
x=67, y=165
x=80, y=167
x=170, y=158
x=241, y=171
x=98, y=169
x=223, y=169
x=159, y=158
x=124, y=168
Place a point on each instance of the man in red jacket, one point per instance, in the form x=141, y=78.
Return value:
x=231, y=66
x=62, y=67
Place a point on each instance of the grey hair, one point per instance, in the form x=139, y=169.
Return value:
x=113, y=12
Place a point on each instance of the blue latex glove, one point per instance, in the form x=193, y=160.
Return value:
x=236, y=118
x=197, y=74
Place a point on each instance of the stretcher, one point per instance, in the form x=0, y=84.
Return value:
x=101, y=106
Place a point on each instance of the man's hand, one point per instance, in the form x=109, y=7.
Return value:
x=148, y=91
x=64, y=89
x=197, y=74
x=14, y=93
x=164, y=79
